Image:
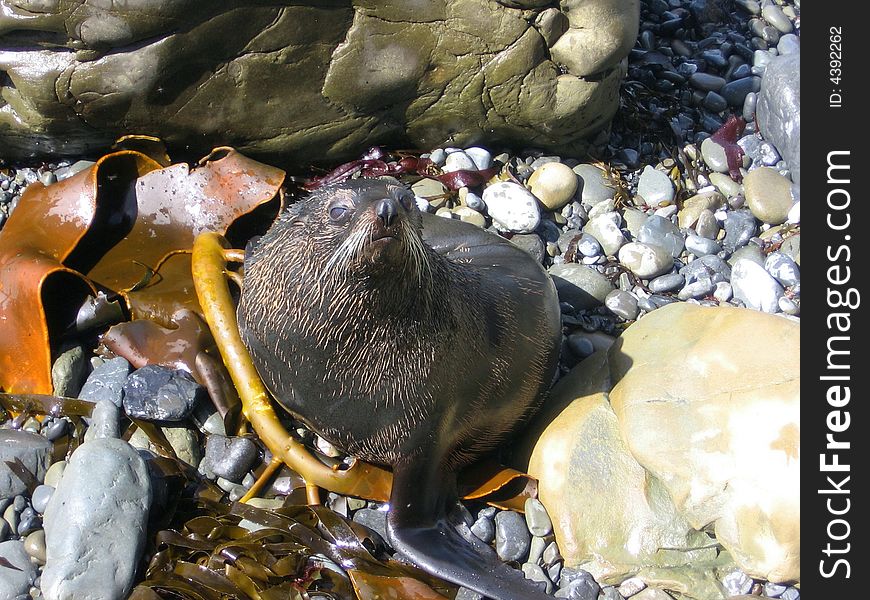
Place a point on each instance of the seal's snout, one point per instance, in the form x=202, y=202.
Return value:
x=386, y=210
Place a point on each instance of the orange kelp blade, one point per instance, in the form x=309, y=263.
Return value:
x=43, y=247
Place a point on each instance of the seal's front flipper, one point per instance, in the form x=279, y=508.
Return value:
x=419, y=528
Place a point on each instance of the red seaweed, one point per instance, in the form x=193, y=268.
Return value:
x=726, y=136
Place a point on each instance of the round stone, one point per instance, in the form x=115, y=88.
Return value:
x=696, y=289
x=714, y=156
x=512, y=537
x=715, y=102
x=659, y=231
x=725, y=184
x=701, y=246
x=34, y=545
x=512, y=207
x=458, y=161
x=470, y=216
x=707, y=82
x=740, y=227
x=481, y=157
x=783, y=268
x=666, y=283
x=722, y=291
x=40, y=497
x=768, y=195
x=554, y=184
x=484, y=530
x=734, y=92
x=605, y=229
x=646, y=261
x=774, y=15
x=755, y=286
x=537, y=519
x=622, y=304
x=655, y=187
x=593, y=186
x=536, y=573
x=580, y=286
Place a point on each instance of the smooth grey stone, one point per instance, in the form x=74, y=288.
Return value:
x=791, y=247
x=230, y=457
x=535, y=573
x=749, y=105
x=737, y=583
x=788, y=306
x=34, y=452
x=623, y=304
x=580, y=286
x=774, y=590
x=487, y=512
x=774, y=15
x=761, y=58
x=714, y=156
x=512, y=537
x=707, y=82
x=666, y=283
x=605, y=229
x=68, y=372
x=467, y=594
x=789, y=44
x=715, y=58
x=56, y=429
x=740, y=71
x=770, y=35
x=592, y=187
x=40, y=497
x=531, y=243
x=107, y=381
x=753, y=7
x=28, y=521
x=551, y=554
x=735, y=92
x=750, y=252
x=537, y=519
x=791, y=593
x=646, y=260
x=699, y=246
x=723, y=291
x=5, y=529
x=587, y=245
x=706, y=267
x=105, y=421
x=481, y=157
x=658, y=231
x=778, y=110
x=484, y=530
x=610, y=593
x=458, y=161
x=696, y=289
x=15, y=582
x=536, y=550
x=655, y=187
x=740, y=227
x=578, y=585
x=438, y=156
x=158, y=393
x=783, y=268
x=581, y=345
x=755, y=287
x=554, y=571
x=707, y=226
x=95, y=523
x=376, y=520
x=714, y=102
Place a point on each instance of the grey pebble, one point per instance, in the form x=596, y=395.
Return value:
x=696, y=289
x=536, y=550
x=56, y=429
x=774, y=590
x=788, y=306
x=579, y=285
x=158, y=393
x=28, y=521
x=467, y=594
x=774, y=15
x=666, y=283
x=551, y=554
x=751, y=252
x=587, y=245
x=735, y=92
x=722, y=291
x=531, y=243
x=737, y=582
x=512, y=537
x=655, y=187
x=716, y=103
x=580, y=345
x=659, y=231
x=789, y=44
x=791, y=593
x=106, y=381
x=624, y=305
x=40, y=497
x=783, y=268
x=706, y=267
x=714, y=156
x=484, y=530
x=577, y=584
x=700, y=246
x=740, y=227
x=707, y=82
x=537, y=519
x=15, y=582
x=755, y=287
x=749, y=105
x=592, y=187
x=611, y=593
x=376, y=520
x=536, y=573
x=68, y=372
x=230, y=457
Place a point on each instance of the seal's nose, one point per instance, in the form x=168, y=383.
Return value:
x=386, y=211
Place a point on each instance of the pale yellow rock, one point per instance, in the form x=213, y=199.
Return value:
x=470, y=216
x=768, y=195
x=694, y=206
x=720, y=427
x=554, y=184
x=609, y=514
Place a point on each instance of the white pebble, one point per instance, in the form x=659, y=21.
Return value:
x=512, y=207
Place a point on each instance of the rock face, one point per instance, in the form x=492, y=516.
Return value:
x=779, y=109
x=671, y=431
x=726, y=440
x=327, y=79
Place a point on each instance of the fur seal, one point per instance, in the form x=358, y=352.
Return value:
x=410, y=341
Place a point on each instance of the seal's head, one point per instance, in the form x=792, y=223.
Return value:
x=362, y=227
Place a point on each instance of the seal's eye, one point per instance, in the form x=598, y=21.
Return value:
x=336, y=213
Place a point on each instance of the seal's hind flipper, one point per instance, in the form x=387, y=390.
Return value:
x=418, y=527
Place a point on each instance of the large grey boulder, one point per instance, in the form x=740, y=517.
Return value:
x=318, y=78
x=779, y=109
